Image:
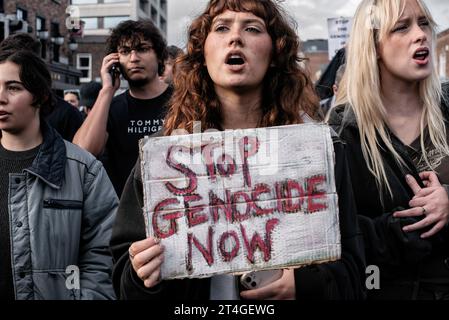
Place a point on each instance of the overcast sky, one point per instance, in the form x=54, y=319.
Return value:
x=311, y=15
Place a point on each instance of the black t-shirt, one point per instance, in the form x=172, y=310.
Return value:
x=65, y=118
x=10, y=162
x=130, y=119
x=438, y=162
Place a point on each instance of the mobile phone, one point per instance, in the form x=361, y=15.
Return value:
x=114, y=72
x=259, y=279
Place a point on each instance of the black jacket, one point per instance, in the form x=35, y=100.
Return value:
x=65, y=118
x=337, y=280
x=401, y=257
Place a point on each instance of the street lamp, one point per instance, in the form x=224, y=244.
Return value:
x=43, y=34
x=73, y=46
x=55, y=43
x=58, y=40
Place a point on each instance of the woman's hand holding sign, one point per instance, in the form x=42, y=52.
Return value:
x=146, y=258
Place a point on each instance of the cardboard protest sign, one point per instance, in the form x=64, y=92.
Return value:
x=240, y=200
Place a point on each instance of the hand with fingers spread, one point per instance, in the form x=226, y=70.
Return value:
x=431, y=202
x=146, y=258
x=281, y=289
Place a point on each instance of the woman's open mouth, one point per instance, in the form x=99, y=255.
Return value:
x=421, y=56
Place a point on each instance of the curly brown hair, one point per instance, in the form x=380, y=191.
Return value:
x=135, y=32
x=288, y=89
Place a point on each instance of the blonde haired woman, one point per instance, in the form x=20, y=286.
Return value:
x=393, y=119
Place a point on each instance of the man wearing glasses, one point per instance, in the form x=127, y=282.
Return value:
x=137, y=51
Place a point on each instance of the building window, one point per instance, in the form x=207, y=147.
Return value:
x=21, y=14
x=143, y=4
x=112, y=22
x=90, y=23
x=84, y=64
x=40, y=24
x=154, y=14
x=164, y=5
x=84, y=1
x=163, y=24
x=54, y=32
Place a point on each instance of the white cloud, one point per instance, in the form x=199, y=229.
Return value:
x=348, y=8
x=180, y=15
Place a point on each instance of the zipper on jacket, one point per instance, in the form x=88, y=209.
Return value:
x=62, y=204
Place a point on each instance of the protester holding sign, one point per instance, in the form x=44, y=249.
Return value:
x=241, y=71
x=395, y=126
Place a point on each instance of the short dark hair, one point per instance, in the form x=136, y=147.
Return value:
x=35, y=77
x=135, y=31
x=74, y=92
x=174, y=52
x=21, y=41
x=89, y=93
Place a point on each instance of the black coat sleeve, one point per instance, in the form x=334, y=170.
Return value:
x=129, y=227
x=343, y=279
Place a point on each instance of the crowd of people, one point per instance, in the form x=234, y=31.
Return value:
x=71, y=190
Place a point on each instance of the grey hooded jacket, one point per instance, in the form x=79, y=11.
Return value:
x=61, y=211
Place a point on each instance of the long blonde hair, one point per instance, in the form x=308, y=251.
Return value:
x=360, y=87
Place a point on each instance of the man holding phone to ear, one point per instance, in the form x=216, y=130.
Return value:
x=138, y=50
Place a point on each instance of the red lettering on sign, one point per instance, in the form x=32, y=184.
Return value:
x=249, y=146
x=317, y=198
x=257, y=242
x=259, y=190
x=229, y=162
x=172, y=216
x=236, y=214
x=193, y=181
x=229, y=256
x=193, y=218
x=206, y=151
x=279, y=197
x=216, y=204
x=206, y=252
x=290, y=205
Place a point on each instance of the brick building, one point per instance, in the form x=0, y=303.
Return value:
x=46, y=20
x=99, y=17
x=443, y=54
x=316, y=53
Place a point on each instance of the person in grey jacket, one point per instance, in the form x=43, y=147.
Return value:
x=57, y=204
